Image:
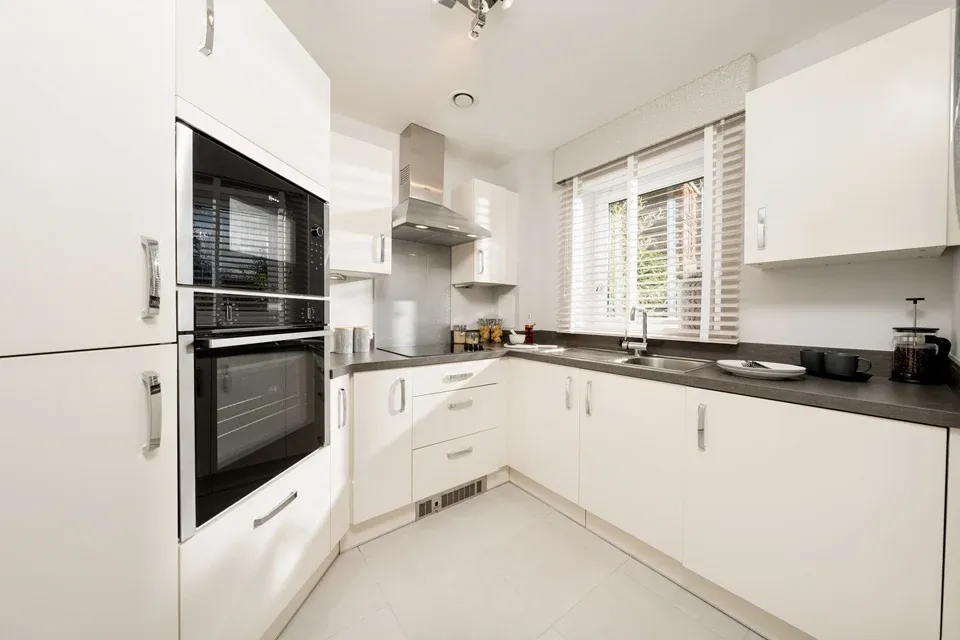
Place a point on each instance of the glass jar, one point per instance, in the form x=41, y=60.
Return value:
x=914, y=354
x=472, y=340
x=484, y=330
x=496, y=330
x=458, y=333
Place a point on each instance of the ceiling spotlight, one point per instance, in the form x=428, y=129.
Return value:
x=479, y=22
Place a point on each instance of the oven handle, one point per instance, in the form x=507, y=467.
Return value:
x=223, y=343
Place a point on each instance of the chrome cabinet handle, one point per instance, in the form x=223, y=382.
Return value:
x=459, y=377
x=458, y=406
x=483, y=265
x=151, y=382
x=589, y=398
x=701, y=427
x=343, y=409
x=761, y=228
x=403, y=395
x=153, y=283
x=383, y=248
x=569, y=398
x=208, y=18
x=453, y=455
x=259, y=522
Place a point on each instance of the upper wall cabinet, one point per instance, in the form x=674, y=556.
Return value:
x=87, y=175
x=238, y=65
x=495, y=260
x=361, y=206
x=848, y=159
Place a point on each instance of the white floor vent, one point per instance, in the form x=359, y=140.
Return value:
x=442, y=501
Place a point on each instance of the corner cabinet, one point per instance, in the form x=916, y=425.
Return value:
x=831, y=521
x=238, y=64
x=494, y=260
x=848, y=159
x=90, y=526
x=361, y=209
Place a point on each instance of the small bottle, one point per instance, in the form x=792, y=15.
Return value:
x=528, y=330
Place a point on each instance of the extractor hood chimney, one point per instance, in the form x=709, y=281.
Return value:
x=421, y=216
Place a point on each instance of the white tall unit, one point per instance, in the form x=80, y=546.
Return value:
x=951, y=563
x=494, y=260
x=87, y=171
x=341, y=419
x=848, y=159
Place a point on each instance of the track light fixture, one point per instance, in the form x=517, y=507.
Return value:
x=479, y=9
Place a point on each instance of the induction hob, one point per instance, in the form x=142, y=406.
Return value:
x=420, y=351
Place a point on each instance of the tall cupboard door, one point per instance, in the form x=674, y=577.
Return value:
x=830, y=521
x=87, y=171
x=951, y=564
x=382, y=443
x=238, y=63
x=849, y=156
x=361, y=209
x=631, y=457
x=340, y=420
x=543, y=436
x=89, y=536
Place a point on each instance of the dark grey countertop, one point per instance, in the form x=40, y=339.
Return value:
x=932, y=405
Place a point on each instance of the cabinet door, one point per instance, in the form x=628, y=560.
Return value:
x=830, y=521
x=257, y=80
x=90, y=526
x=382, y=443
x=631, y=457
x=489, y=211
x=846, y=167
x=340, y=420
x=951, y=564
x=87, y=170
x=361, y=206
x=543, y=438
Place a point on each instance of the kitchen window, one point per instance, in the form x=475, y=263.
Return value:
x=660, y=229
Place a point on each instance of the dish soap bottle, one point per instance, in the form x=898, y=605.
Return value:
x=528, y=330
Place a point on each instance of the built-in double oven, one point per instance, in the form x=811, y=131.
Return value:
x=252, y=313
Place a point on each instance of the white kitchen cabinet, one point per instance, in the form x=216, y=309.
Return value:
x=361, y=209
x=847, y=159
x=382, y=443
x=951, y=564
x=241, y=66
x=494, y=260
x=830, y=521
x=543, y=414
x=632, y=458
x=87, y=170
x=90, y=525
x=446, y=465
x=341, y=417
x=242, y=569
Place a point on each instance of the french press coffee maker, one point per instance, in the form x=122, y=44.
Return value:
x=919, y=355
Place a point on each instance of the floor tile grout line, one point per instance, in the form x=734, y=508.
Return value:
x=584, y=596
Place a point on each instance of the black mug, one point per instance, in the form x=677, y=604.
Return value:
x=844, y=364
x=812, y=360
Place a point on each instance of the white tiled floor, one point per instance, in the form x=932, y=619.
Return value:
x=501, y=566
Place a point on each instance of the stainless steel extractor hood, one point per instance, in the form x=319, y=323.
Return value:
x=421, y=216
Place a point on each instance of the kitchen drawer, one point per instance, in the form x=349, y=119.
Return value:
x=236, y=579
x=453, y=376
x=444, y=416
x=448, y=464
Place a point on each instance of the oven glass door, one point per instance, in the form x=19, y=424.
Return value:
x=258, y=410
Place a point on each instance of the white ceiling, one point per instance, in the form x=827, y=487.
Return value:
x=545, y=71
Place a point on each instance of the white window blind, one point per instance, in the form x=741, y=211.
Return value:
x=662, y=229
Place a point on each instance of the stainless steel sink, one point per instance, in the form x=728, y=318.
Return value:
x=679, y=365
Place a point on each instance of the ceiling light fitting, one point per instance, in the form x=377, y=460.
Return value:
x=479, y=9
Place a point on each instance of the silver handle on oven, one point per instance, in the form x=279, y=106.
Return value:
x=343, y=409
x=569, y=397
x=403, y=395
x=453, y=455
x=458, y=377
x=151, y=381
x=153, y=282
x=221, y=343
x=483, y=265
x=458, y=406
x=208, y=19
x=259, y=522
x=701, y=427
x=383, y=248
x=761, y=228
x=589, y=398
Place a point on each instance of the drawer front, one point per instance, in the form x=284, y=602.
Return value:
x=236, y=579
x=448, y=464
x=453, y=376
x=454, y=414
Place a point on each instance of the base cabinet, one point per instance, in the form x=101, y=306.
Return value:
x=631, y=457
x=90, y=524
x=341, y=415
x=831, y=521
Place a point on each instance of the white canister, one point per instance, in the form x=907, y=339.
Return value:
x=362, y=336
x=343, y=340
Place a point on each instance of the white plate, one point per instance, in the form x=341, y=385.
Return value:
x=776, y=370
x=534, y=347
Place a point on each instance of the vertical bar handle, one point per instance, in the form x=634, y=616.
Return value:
x=761, y=228
x=403, y=395
x=569, y=398
x=483, y=263
x=151, y=382
x=383, y=248
x=589, y=398
x=343, y=409
x=701, y=427
x=153, y=280
x=208, y=19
